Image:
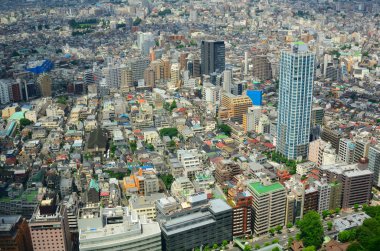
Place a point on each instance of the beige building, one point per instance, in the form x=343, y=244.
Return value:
x=234, y=107
x=145, y=205
x=269, y=201
x=45, y=83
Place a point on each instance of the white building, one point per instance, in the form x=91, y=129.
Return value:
x=4, y=91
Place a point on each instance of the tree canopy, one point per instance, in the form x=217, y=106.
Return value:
x=171, y=132
x=311, y=230
x=225, y=129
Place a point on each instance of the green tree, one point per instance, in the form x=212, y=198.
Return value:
x=133, y=146
x=329, y=225
x=247, y=248
x=225, y=129
x=337, y=210
x=276, y=249
x=224, y=243
x=347, y=235
x=215, y=246
x=137, y=21
x=309, y=248
x=173, y=105
x=311, y=229
x=272, y=231
x=356, y=207
x=266, y=244
x=278, y=229
x=171, y=132
x=289, y=225
x=290, y=241
x=167, y=179
x=25, y=122
x=275, y=241
x=325, y=213
x=257, y=246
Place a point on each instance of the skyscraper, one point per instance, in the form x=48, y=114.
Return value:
x=374, y=163
x=212, y=56
x=295, y=101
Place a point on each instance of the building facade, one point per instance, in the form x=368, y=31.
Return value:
x=212, y=57
x=295, y=101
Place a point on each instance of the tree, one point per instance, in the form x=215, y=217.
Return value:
x=290, y=241
x=275, y=241
x=266, y=244
x=257, y=246
x=276, y=249
x=247, y=248
x=224, y=243
x=337, y=210
x=137, y=21
x=272, y=231
x=356, y=207
x=173, y=105
x=278, y=229
x=25, y=122
x=309, y=248
x=289, y=225
x=347, y=235
x=329, y=225
x=215, y=246
x=225, y=129
x=311, y=229
x=167, y=179
x=325, y=213
x=133, y=146
x=171, y=132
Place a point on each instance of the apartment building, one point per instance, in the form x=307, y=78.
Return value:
x=269, y=200
x=234, y=107
x=14, y=233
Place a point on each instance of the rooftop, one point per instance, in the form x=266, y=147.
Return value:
x=260, y=188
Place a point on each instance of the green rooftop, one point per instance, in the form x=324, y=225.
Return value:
x=221, y=136
x=260, y=189
x=17, y=116
x=299, y=43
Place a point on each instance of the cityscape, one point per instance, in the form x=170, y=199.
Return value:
x=189, y=125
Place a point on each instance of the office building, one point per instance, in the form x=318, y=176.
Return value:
x=269, y=200
x=346, y=151
x=356, y=183
x=203, y=223
x=4, y=91
x=145, y=206
x=227, y=80
x=14, y=234
x=149, y=77
x=333, y=136
x=374, y=163
x=212, y=57
x=234, y=107
x=311, y=200
x=44, y=81
x=335, y=195
x=324, y=195
x=262, y=69
x=242, y=214
x=362, y=145
x=294, y=200
x=175, y=78
x=145, y=41
x=251, y=119
x=49, y=226
x=317, y=114
x=138, y=67
x=295, y=100
x=116, y=229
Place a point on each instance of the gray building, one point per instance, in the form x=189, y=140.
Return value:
x=204, y=223
x=213, y=57
x=374, y=163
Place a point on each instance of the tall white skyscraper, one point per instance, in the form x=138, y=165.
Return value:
x=295, y=101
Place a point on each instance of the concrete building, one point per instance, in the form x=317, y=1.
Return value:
x=324, y=195
x=14, y=234
x=227, y=80
x=175, y=78
x=234, y=107
x=251, y=119
x=262, y=69
x=117, y=229
x=269, y=203
x=374, y=163
x=242, y=215
x=4, y=91
x=190, y=162
x=311, y=200
x=294, y=108
x=335, y=195
x=200, y=224
x=225, y=170
x=346, y=151
x=356, y=183
x=145, y=205
x=213, y=57
x=49, y=226
x=44, y=81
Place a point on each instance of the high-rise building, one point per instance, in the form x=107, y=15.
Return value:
x=251, y=119
x=356, y=183
x=324, y=193
x=262, y=69
x=295, y=100
x=196, y=68
x=346, y=151
x=145, y=41
x=14, y=234
x=269, y=200
x=374, y=163
x=294, y=200
x=149, y=76
x=4, y=91
x=241, y=214
x=335, y=195
x=49, y=226
x=234, y=107
x=138, y=67
x=227, y=80
x=190, y=162
x=175, y=79
x=311, y=200
x=213, y=56
x=45, y=83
